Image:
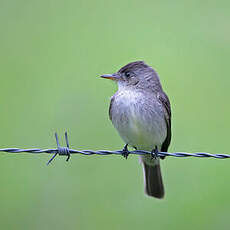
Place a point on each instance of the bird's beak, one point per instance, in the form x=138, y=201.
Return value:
x=113, y=76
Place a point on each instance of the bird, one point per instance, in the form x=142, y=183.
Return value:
x=140, y=111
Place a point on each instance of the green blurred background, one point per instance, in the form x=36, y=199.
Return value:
x=52, y=54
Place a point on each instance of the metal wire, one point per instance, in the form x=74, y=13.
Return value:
x=66, y=151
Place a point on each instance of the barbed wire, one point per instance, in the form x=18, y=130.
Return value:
x=66, y=151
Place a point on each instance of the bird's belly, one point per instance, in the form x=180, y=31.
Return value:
x=141, y=134
x=140, y=125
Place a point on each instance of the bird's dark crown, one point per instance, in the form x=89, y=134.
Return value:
x=133, y=66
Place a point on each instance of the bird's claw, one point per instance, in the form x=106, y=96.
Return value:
x=155, y=153
x=125, y=152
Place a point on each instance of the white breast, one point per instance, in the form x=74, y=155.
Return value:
x=139, y=119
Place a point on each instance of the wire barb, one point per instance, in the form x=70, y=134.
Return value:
x=66, y=151
x=61, y=150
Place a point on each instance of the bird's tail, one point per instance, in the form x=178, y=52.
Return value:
x=153, y=180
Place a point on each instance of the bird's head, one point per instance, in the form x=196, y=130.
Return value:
x=135, y=75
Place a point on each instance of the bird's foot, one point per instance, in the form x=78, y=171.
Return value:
x=125, y=151
x=155, y=153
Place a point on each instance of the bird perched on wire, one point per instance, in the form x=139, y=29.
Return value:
x=141, y=113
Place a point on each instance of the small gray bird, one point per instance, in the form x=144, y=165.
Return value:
x=141, y=113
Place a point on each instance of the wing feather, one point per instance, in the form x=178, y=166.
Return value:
x=110, y=107
x=163, y=98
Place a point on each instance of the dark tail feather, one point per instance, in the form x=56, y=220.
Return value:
x=153, y=180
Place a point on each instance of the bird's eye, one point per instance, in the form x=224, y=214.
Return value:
x=127, y=74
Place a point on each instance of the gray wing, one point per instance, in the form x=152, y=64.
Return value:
x=110, y=107
x=163, y=98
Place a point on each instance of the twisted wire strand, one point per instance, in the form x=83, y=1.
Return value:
x=66, y=151
x=115, y=152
